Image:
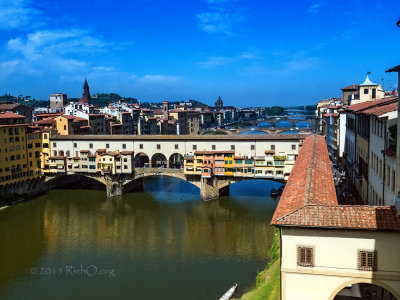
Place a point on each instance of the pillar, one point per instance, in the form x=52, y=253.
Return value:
x=114, y=188
x=209, y=190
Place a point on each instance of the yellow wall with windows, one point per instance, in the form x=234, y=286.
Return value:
x=62, y=125
x=13, y=159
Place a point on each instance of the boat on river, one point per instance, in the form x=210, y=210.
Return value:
x=274, y=193
x=228, y=295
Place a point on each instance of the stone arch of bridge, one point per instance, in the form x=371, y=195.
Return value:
x=78, y=180
x=133, y=182
x=371, y=282
x=176, y=161
x=227, y=182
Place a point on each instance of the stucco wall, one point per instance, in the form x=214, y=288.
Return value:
x=336, y=261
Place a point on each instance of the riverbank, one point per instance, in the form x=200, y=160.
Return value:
x=268, y=280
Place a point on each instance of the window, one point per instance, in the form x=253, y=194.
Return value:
x=158, y=146
x=68, y=153
x=123, y=146
x=293, y=147
x=366, y=260
x=232, y=147
x=107, y=146
x=194, y=147
x=140, y=146
x=365, y=91
x=75, y=145
x=272, y=147
x=305, y=256
x=373, y=93
x=55, y=145
x=125, y=160
x=91, y=146
x=213, y=147
x=65, y=127
x=176, y=146
x=125, y=167
x=252, y=147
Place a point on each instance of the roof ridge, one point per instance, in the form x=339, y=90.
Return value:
x=309, y=174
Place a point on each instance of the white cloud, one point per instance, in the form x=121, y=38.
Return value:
x=220, y=19
x=18, y=14
x=213, y=62
x=314, y=8
x=159, y=79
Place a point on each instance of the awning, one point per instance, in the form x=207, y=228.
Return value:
x=60, y=167
x=76, y=165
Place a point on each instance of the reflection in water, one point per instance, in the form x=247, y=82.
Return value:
x=264, y=124
x=283, y=124
x=251, y=132
x=163, y=239
x=303, y=124
x=290, y=132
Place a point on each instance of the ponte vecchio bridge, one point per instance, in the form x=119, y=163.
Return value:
x=211, y=163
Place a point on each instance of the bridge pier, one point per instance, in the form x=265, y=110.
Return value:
x=209, y=189
x=114, y=188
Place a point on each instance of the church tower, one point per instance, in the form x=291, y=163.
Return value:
x=86, y=94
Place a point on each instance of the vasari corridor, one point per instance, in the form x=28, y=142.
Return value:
x=205, y=149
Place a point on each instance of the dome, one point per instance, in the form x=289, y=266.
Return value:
x=367, y=82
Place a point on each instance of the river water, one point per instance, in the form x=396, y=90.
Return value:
x=163, y=243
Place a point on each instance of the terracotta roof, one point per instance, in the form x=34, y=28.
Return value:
x=269, y=151
x=84, y=151
x=101, y=150
x=310, y=181
x=10, y=115
x=331, y=114
x=368, y=104
x=49, y=115
x=382, y=218
x=127, y=152
x=351, y=87
x=45, y=121
x=380, y=110
x=158, y=112
x=239, y=157
x=309, y=198
x=9, y=105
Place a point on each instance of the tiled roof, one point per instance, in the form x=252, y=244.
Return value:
x=380, y=110
x=382, y=218
x=331, y=114
x=9, y=105
x=309, y=198
x=350, y=87
x=368, y=104
x=10, y=115
x=310, y=181
x=45, y=121
x=127, y=152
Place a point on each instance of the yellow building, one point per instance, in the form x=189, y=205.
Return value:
x=13, y=159
x=229, y=163
x=34, y=151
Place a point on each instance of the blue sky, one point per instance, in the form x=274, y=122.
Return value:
x=251, y=53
